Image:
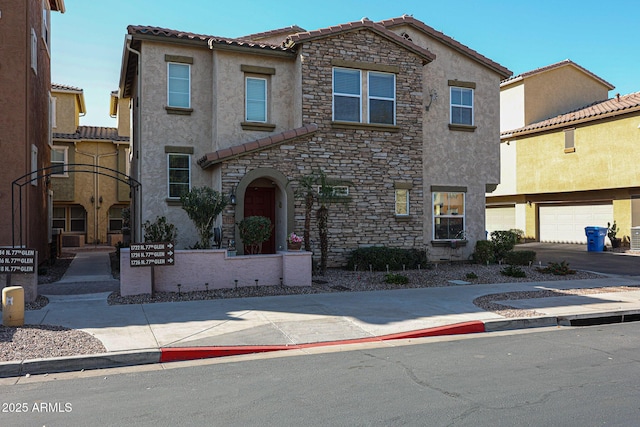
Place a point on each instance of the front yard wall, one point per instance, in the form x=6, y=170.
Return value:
x=193, y=269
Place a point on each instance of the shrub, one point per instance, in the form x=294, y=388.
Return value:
x=254, y=230
x=519, y=234
x=471, y=275
x=503, y=242
x=396, y=279
x=520, y=257
x=203, y=205
x=513, y=271
x=159, y=231
x=378, y=257
x=558, y=269
x=484, y=253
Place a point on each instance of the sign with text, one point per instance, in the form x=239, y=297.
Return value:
x=17, y=260
x=150, y=254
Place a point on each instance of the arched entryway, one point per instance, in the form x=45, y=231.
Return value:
x=266, y=192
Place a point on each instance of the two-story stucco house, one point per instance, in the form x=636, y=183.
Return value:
x=89, y=195
x=568, y=155
x=405, y=118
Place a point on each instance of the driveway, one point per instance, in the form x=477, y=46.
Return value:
x=580, y=259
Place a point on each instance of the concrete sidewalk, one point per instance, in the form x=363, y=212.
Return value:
x=159, y=332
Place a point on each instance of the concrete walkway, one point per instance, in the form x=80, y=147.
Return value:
x=151, y=333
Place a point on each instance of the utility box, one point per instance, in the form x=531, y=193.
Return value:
x=635, y=238
x=13, y=306
x=595, y=238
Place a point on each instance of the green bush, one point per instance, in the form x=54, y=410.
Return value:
x=159, y=231
x=519, y=234
x=254, y=230
x=503, y=242
x=471, y=275
x=520, y=257
x=396, y=279
x=513, y=271
x=558, y=269
x=378, y=257
x=484, y=253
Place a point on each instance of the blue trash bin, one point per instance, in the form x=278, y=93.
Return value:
x=595, y=238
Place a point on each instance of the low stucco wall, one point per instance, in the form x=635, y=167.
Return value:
x=195, y=268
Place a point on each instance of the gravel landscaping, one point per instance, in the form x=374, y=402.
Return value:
x=44, y=341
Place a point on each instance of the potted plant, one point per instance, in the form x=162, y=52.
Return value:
x=612, y=230
x=254, y=230
x=294, y=242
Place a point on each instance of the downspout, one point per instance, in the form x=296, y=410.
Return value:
x=137, y=196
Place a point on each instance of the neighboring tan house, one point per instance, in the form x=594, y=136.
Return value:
x=404, y=119
x=25, y=139
x=569, y=156
x=90, y=192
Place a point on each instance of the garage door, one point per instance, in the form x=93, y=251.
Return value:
x=502, y=218
x=565, y=224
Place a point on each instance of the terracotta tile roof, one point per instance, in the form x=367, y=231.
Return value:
x=271, y=33
x=443, y=38
x=93, y=133
x=596, y=111
x=564, y=63
x=205, y=39
x=60, y=87
x=357, y=25
x=256, y=145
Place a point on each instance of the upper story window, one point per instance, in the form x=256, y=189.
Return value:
x=349, y=92
x=179, y=174
x=448, y=215
x=461, y=106
x=34, y=51
x=58, y=160
x=179, y=85
x=46, y=23
x=256, y=99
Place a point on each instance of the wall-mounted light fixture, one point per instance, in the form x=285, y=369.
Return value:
x=232, y=196
x=433, y=95
x=93, y=199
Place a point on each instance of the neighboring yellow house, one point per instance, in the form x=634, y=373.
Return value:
x=87, y=198
x=569, y=156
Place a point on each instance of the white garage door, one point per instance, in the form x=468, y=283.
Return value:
x=565, y=224
x=502, y=218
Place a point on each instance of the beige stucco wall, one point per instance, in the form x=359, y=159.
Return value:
x=559, y=91
x=512, y=106
x=66, y=112
x=458, y=158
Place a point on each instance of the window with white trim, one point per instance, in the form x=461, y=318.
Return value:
x=379, y=95
x=178, y=85
x=382, y=98
x=402, y=201
x=256, y=99
x=34, y=165
x=52, y=112
x=34, y=51
x=46, y=23
x=461, y=106
x=179, y=174
x=58, y=160
x=448, y=215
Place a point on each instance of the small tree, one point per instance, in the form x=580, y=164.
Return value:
x=254, y=230
x=159, y=231
x=203, y=205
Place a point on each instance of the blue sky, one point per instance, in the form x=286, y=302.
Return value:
x=603, y=37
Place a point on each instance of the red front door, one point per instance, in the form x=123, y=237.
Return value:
x=261, y=201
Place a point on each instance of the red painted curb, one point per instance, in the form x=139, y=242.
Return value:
x=176, y=354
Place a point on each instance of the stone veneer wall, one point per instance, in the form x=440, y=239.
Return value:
x=370, y=159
